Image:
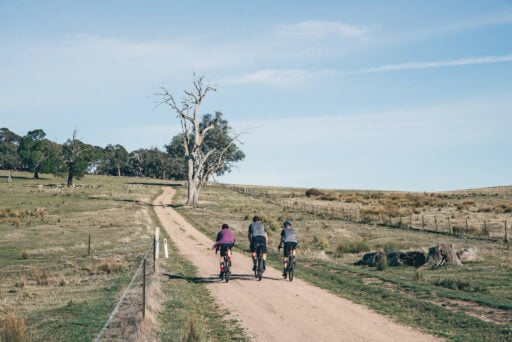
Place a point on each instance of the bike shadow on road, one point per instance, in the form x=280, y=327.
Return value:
x=215, y=278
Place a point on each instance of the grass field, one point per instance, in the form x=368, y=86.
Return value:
x=468, y=303
x=51, y=289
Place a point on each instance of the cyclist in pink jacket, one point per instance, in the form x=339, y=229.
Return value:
x=225, y=241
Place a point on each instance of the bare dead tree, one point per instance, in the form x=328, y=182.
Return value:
x=200, y=162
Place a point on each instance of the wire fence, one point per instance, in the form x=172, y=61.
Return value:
x=146, y=268
x=469, y=226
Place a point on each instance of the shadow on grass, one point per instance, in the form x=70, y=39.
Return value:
x=156, y=184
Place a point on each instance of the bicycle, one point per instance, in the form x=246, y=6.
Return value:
x=259, y=265
x=225, y=268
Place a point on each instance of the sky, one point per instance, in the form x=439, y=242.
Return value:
x=367, y=95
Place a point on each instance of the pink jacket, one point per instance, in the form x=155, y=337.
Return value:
x=224, y=236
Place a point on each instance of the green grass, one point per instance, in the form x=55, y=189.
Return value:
x=402, y=293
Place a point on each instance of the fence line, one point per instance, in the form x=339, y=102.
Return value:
x=118, y=305
x=443, y=224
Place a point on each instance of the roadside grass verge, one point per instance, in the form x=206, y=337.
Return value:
x=468, y=303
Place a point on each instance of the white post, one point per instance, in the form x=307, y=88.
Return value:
x=166, y=252
x=157, y=242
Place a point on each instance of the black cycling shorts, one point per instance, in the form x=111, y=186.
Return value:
x=256, y=241
x=289, y=246
x=224, y=248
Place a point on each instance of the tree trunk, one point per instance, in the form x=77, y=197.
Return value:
x=70, y=175
x=36, y=173
x=9, y=179
x=118, y=170
x=442, y=255
x=190, y=184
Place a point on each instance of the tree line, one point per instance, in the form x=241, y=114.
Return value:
x=35, y=153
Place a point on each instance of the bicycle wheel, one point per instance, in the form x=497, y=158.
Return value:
x=227, y=269
x=291, y=269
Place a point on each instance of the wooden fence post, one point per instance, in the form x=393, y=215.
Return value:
x=435, y=221
x=485, y=228
x=89, y=248
x=506, y=235
x=467, y=229
x=449, y=226
x=144, y=288
x=422, y=223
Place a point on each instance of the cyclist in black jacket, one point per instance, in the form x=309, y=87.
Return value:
x=257, y=236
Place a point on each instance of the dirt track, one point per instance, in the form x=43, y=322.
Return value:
x=275, y=309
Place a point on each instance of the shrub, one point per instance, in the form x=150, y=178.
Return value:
x=40, y=275
x=21, y=283
x=270, y=223
x=13, y=329
x=391, y=246
x=418, y=275
x=382, y=262
x=24, y=254
x=352, y=247
x=111, y=267
x=322, y=244
x=314, y=193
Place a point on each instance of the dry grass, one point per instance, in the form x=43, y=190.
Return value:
x=40, y=275
x=44, y=249
x=111, y=266
x=13, y=329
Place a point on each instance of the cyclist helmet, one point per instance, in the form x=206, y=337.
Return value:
x=256, y=219
x=287, y=224
x=225, y=226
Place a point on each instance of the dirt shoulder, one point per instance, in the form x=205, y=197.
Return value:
x=275, y=309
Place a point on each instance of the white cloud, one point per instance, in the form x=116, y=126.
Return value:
x=321, y=29
x=440, y=64
x=299, y=77
x=279, y=78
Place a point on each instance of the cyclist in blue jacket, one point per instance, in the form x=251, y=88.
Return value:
x=289, y=241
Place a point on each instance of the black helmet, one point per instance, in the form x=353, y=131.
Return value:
x=225, y=226
x=287, y=224
x=256, y=219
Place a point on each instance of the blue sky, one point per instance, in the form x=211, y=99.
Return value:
x=395, y=95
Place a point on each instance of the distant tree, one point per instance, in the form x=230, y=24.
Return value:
x=9, y=157
x=151, y=163
x=198, y=155
x=53, y=162
x=220, y=140
x=31, y=152
x=75, y=156
x=38, y=154
x=96, y=159
x=177, y=161
x=115, y=160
